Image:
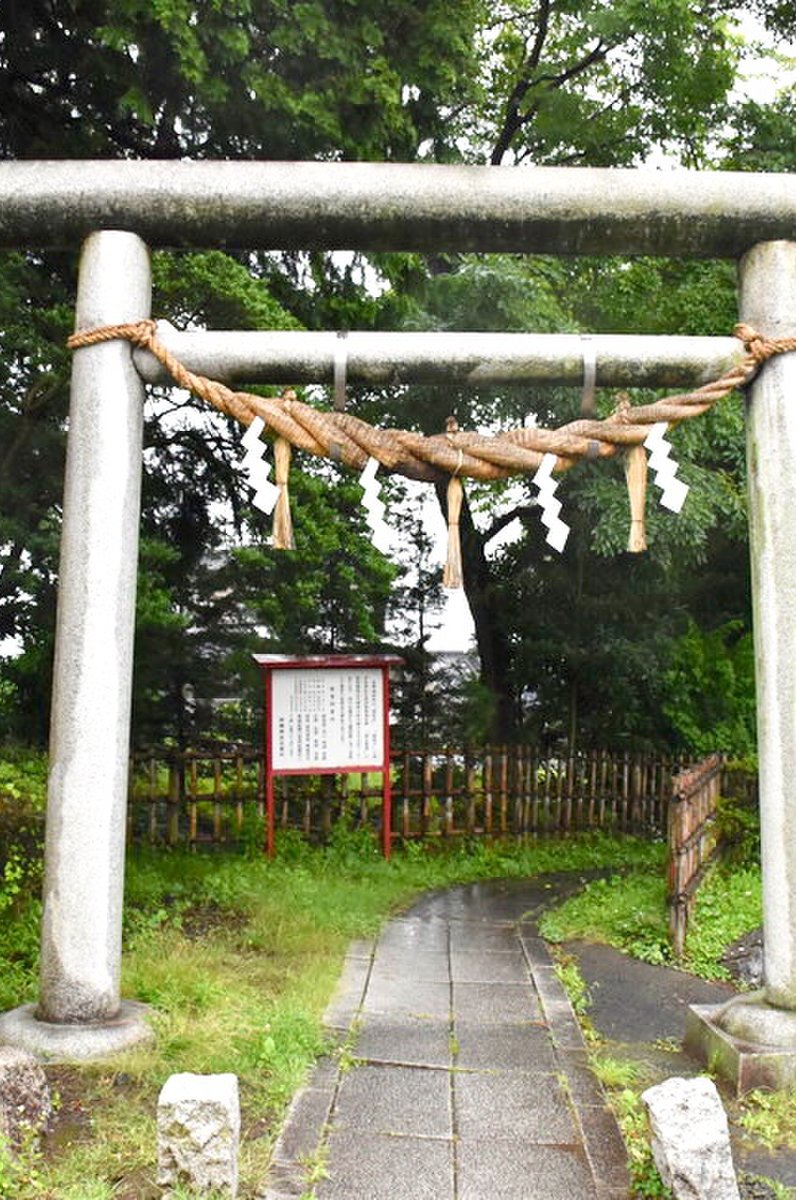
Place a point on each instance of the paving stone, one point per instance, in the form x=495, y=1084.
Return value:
x=285, y=1182
x=414, y=934
x=416, y=1043
x=488, y=966
x=304, y=1126
x=505, y=1048
x=394, y=1100
x=347, y=997
x=513, y=1105
x=475, y=935
x=367, y=1167
x=565, y=1031
x=582, y=1084
x=407, y=997
x=426, y=966
x=604, y=1147
x=354, y=975
x=494, y=1003
x=536, y=951
x=517, y=1170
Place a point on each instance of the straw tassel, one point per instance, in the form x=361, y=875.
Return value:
x=636, y=476
x=452, y=576
x=283, y=524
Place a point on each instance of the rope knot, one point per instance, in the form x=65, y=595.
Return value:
x=760, y=348
x=140, y=333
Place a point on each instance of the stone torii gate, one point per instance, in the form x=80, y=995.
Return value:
x=121, y=208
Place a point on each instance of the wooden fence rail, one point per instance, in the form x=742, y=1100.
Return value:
x=693, y=839
x=216, y=797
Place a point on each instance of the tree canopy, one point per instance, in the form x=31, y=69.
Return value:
x=586, y=647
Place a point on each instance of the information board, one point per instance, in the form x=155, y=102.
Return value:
x=324, y=714
x=327, y=718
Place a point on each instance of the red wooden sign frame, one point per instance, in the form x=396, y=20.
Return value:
x=272, y=664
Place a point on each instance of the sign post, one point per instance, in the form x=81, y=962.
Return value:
x=327, y=715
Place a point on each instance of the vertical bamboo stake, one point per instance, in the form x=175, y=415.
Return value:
x=548, y=820
x=592, y=785
x=518, y=791
x=153, y=809
x=569, y=786
x=560, y=776
x=449, y=828
x=504, y=787
x=238, y=794
x=427, y=786
x=192, y=808
x=488, y=791
x=636, y=477
x=173, y=821
x=469, y=775
x=217, y=791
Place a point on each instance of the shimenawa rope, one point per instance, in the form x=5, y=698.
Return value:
x=455, y=453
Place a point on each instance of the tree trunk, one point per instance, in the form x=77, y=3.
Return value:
x=491, y=641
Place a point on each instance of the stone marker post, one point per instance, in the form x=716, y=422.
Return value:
x=79, y=1013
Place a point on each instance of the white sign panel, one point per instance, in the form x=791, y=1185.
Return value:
x=325, y=718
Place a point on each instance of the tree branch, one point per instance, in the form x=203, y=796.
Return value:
x=512, y=120
x=598, y=54
x=500, y=523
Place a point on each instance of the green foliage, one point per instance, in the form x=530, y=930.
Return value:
x=568, y=973
x=626, y=911
x=728, y=905
x=23, y=790
x=709, y=694
x=769, y=1117
x=19, y=1168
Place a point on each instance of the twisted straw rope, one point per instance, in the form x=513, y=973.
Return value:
x=351, y=441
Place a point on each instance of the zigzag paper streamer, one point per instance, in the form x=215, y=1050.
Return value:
x=665, y=468
x=257, y=469
x=557, y=531
x=374, y=506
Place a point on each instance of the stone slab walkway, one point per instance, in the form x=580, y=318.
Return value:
x=466, y=1077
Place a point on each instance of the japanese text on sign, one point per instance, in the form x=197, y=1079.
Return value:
x=327, y=718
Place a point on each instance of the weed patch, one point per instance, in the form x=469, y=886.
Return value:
x=769, y=1117
x=627, y=911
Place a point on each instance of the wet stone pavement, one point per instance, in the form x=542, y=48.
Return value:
x=466, y=1077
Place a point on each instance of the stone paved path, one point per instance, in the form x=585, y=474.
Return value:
x=469, y=1079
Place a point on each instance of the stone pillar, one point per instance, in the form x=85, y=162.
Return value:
x=752, y=1039
x=79, y=1013
x=768, y=303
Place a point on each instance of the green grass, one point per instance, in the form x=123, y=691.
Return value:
x=628, y=911
x=238, y=958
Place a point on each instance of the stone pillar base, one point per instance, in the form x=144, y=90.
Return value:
x=51, y=1042
x=748, y=1042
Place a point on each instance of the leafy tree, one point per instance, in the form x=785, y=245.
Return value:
x=586, y=82
x=709, y=689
